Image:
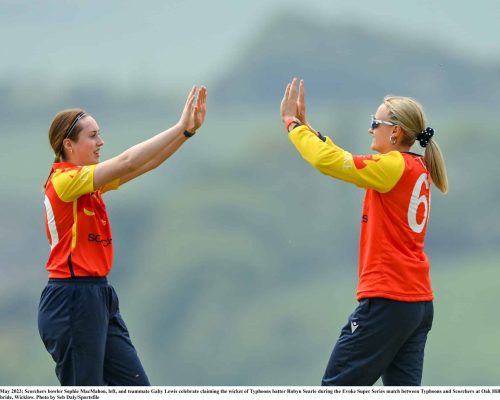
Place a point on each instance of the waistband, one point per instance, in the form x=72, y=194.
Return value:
x=76, y=280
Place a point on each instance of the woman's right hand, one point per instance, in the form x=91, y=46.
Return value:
x=193, y=114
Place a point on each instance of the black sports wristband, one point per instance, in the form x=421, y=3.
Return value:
x=293, y=125
x=189, y=134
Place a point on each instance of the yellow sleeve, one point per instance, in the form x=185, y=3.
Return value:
x=113, y=185
x=70, y=184
x=380, y=172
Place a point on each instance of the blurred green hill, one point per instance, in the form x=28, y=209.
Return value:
x=236, y=262
x=349, y=65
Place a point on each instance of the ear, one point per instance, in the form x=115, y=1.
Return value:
x=68, y=146
x=397, y=131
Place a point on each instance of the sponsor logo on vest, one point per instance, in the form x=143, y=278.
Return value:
x=92, y=237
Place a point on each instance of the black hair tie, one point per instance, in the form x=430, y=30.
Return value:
x=425, y=136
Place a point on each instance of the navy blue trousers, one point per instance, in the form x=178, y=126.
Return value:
x=382, y=338
x=80, y=324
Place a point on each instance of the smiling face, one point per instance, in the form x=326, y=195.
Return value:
x=381, y=141
x=85, y=149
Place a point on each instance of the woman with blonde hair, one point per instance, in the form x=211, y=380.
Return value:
x=79, y=318
x=385, y=336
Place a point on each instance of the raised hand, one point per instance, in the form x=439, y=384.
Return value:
x=193, y=114
x=293, y=104
x=288, y=108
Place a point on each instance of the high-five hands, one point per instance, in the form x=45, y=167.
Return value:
x=194, y=113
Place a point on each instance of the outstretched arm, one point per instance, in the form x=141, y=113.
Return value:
x=379, y=172
x=149, y=154
x=197, y=119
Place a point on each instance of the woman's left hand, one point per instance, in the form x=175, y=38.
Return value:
x=288, y=108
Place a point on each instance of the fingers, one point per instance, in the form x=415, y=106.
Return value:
x=190, y=98
x=287, y=92
x=198, y=109
x=293, y=89
x=194, y=109
x=202, y=97
x=288, y=105
x=301, y=92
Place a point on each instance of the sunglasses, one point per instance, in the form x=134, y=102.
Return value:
x=374, y=123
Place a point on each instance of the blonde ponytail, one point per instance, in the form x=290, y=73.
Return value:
x=434, y=162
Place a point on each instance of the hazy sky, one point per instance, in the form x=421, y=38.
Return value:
x=194, y=40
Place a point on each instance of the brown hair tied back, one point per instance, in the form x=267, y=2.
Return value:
x=65, y=125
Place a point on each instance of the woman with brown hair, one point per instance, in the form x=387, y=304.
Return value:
x=79, y=318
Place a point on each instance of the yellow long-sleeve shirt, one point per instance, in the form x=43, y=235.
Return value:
x=392, y=262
